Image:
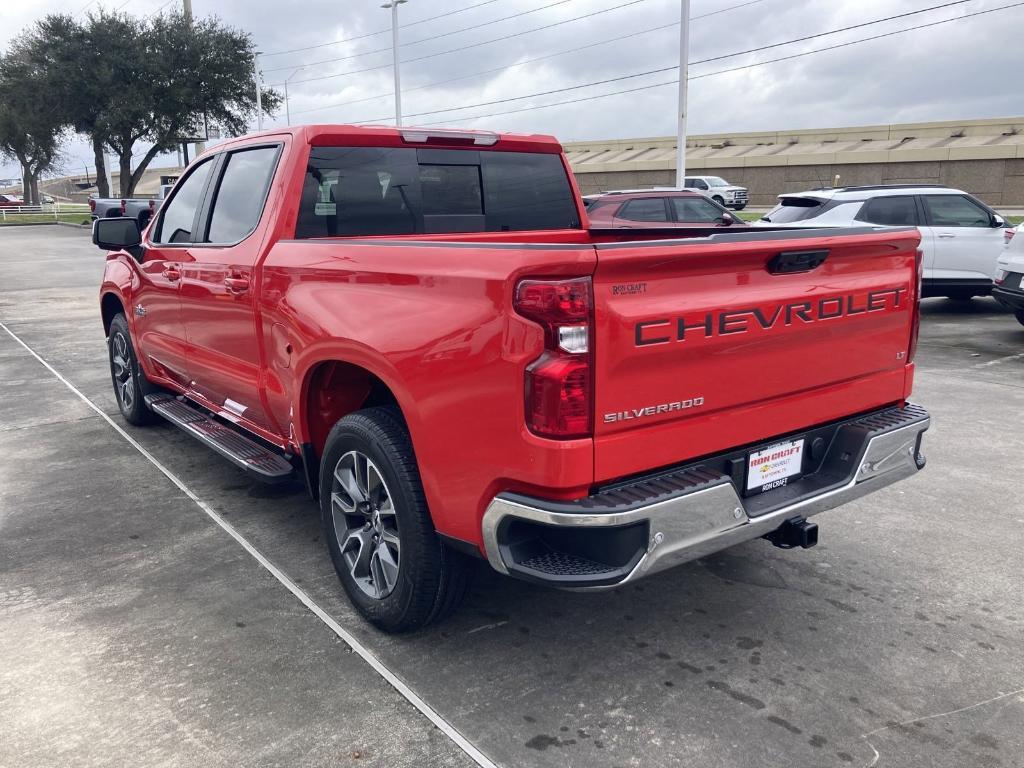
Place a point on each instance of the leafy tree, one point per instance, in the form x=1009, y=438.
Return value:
x=180, y=71
x=31, y=130
x=127, y=83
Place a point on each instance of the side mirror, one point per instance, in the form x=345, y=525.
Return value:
x=727, y=220
x=120, y=234
x=998, y=221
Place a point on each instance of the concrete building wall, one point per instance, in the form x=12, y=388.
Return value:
x=984, y=157
x=997, y=182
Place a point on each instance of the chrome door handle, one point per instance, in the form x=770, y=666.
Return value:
x=237, y=284
x=171, y=274
x=946, y=235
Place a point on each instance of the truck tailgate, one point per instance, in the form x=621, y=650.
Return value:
x=713, y=343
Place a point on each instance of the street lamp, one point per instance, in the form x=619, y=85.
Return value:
x=393, y=5
x=684, y=58
x=259, y=85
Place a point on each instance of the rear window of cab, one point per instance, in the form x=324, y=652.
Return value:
x=366, y=191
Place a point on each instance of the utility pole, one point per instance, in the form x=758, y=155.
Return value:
x=393, y=5
x=287, y=106
x=259, y=95
x=684, y=58
x=186, y=7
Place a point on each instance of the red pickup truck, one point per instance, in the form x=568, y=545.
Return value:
x=421, y=325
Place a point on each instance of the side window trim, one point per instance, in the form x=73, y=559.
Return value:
x=205, y=212
x=158, y=229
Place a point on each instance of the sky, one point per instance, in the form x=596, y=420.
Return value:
x=953, y=71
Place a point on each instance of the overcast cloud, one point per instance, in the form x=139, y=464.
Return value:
x=961, y=70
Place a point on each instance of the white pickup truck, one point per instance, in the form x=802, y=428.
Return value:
x=719, y=190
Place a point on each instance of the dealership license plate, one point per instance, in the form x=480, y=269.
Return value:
x=774, y=466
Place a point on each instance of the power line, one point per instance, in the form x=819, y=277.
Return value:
x=380, y=31
x=833, y=31
x=435, y=37
x=709, y=74
x=496, y=69
x=643, y=74
x=473, y=45
x=528, y=61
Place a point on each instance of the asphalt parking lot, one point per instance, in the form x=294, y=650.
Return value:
x=134, y=630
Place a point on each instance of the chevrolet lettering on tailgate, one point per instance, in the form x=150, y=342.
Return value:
x=722, y=323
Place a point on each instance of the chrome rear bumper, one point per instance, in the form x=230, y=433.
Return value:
x=700, y=513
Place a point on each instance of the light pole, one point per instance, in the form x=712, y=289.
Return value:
x=684, y=58
x=259, y=96
x=287, y=108
x=393, y=5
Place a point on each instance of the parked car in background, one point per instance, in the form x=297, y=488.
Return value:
x=635, y=209
x=142, y=209
x=1009, y=282
x=11, y=201
x=961, y=237
x=718, y=189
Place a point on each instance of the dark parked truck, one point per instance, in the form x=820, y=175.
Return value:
x=422, y=327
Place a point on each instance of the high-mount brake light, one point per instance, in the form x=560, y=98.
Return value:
x=423, y=136
x=559, y=383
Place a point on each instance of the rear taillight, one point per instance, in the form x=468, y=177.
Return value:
x=92, y=205
x=1008, y=234
x=559, y=383
x=124, y=206
x=915, y=308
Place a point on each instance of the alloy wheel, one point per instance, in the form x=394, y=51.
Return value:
x=365, y=524
x=120, y=360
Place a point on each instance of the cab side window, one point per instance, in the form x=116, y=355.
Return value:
x=241, y=194
x=178, y=217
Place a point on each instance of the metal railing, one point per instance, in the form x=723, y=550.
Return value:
x=42, y=212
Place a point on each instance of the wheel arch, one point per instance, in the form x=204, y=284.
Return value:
x=110, y=306
x=331, y=389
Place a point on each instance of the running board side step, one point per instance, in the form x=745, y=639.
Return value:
x=261, y=463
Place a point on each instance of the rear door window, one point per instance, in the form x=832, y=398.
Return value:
x=645, y=209
x=241, y=194
x=895, y=211
x=955, y=211
x=696, y=209
x=365, y=191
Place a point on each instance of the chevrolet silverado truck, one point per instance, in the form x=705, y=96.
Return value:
x=423, y=328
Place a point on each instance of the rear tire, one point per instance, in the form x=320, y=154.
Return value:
x=1019, y=314
x=395, y=569
x=126, y=374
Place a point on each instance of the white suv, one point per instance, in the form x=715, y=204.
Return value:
x=719, y=190
x=1009, y=287
x=961, y=237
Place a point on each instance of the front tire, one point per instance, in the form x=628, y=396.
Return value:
x=395, y=569
x=719, y=199
x=740, y=207
x=126, y=374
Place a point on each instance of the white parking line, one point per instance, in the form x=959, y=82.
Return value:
x=365, y=653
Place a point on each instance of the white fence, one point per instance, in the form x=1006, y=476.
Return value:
x=42, y=212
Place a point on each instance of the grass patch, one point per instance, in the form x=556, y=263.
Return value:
x=43, y=218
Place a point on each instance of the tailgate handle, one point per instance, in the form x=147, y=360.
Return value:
x=796, y=261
